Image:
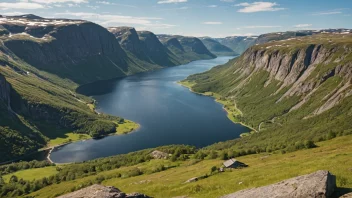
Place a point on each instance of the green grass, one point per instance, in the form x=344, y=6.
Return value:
x=126, y=127
x=334, y=155
x=32, y=174
x=69, y=137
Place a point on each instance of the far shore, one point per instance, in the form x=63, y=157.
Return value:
x=53, y=147
x=189, y=86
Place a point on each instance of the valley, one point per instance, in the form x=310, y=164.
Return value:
x=164, y=114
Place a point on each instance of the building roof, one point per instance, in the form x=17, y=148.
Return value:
x=229, y=162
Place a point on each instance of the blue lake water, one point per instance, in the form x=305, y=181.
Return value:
x=167, y=112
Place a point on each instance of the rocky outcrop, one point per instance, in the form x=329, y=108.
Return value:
x=320, y=184
x=159, y=155
x=99, y=191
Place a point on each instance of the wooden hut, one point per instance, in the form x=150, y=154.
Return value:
x=233, y=163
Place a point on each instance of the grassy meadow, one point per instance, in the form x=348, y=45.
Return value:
x=334, y=155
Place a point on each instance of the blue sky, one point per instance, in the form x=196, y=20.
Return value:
x=216, y=18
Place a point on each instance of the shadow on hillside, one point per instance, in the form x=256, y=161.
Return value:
x=341, y=191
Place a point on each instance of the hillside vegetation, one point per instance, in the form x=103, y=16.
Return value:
x=167, y=178
x=43, y=62
x=290, y=92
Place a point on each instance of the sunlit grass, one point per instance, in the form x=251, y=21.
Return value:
x=32, y=174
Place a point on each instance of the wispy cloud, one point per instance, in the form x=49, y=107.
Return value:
x=212, y=6
x=212, y=23
x=172, y=1
x=327, y=13
x=302, y=25
x=260, y=26
x=59, y=1
x=118, y=20
x=21, y=5
x=115, y=4
x=258, y=7
x=228, y=1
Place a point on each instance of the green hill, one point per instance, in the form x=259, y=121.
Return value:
x=290, y=92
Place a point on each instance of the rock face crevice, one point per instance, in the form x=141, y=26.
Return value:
x=320, y=184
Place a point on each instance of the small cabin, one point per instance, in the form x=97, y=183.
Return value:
x=233, y=163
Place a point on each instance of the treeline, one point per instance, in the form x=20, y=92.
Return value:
x=18, y=187
x=14, y=167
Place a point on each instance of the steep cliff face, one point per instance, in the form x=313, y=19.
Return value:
x=217, y=48
x=145, y=46
x=156, y=51
x=195, y=45
x=294, y=89
x=72, y=51
x=129, y=40
x=186, y=48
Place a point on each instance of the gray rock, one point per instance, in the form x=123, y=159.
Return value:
x=320, y=184
x=99, y=191
x=159, y=155
x=349, y=195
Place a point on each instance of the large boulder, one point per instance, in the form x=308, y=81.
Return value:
x=320, y=184
x=99, y=191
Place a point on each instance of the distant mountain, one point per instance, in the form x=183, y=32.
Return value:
x=186, y=48
x=217, y=48
x=277, y=36
x=238, y=44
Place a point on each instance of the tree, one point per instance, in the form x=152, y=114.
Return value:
x=13, y=179
x=224, y=155
x=213, y=169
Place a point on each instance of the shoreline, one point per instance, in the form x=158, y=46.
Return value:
x=223, y=107
x=52, y=148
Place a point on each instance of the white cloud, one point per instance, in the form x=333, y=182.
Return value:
x=172, y=1
x=118, y=20
x=93, y=7
x=13, y=13
x=228, y=1
x=302, y=25
x=21, y=5
x=212, y=23
x=258, y=7
x=260, y=26
x=212, y=6
x=59, y=1
x=327, y=13
x=110, y=3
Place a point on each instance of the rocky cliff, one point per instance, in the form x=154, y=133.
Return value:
x=288, y=89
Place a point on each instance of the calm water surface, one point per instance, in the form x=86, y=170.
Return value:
x=167, y=112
